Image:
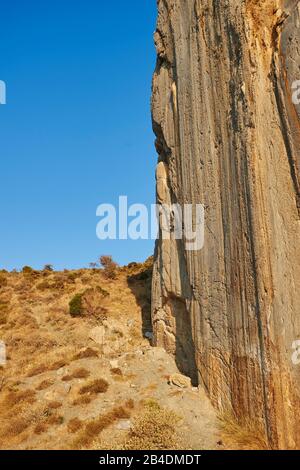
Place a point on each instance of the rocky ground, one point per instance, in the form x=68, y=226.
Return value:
x=92, y=380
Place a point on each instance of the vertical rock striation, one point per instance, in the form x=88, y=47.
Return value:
x=228, y=137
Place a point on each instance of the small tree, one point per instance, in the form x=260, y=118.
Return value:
x=48, y=267
x=109, y=266
x=27, y=270
x=75, y=305
x=93, y=265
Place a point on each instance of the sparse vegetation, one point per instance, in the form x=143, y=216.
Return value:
x=54, y=405
x=109, y=266
x=3, y=280
x=80, y=373
x=243, y=436
x=83, y=400
x=40, y=428
x=27, y=270
x=96, y=426
x=95, y=387
x=47, y=348
x=74, y=425
x=43, y=285
x=48, y=267
x=75, y=305
x=16, y=427
x=14, y=398
x=86, y=353
x=77, y=374
x=155, y=429
x=116, y=371
x=37, y=370
x=45, y=384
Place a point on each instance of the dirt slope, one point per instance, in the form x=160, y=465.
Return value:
x=61, y=389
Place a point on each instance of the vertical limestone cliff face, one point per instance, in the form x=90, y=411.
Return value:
x=228, y=137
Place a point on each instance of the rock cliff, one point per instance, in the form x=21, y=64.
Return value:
x=228, y=137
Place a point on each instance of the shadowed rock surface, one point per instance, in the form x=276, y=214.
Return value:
x=228, y=137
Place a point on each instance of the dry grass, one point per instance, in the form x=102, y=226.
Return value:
x=83, y=400
x=245, y=436
x=67, y=378
x=58, y=364
x=16, y=427
x=14, y=398
x=54, y=405
x=42, y=368
x=95, y=387
x=77, y=374
x=37, y=370
x=85, y=354
x=74, y=425
x=45, y=384
x=116, y=371
x=40, y=428
x=55, y=420
x=95, y=427
x=41, y=338
x=129, y=404
x=154, y=429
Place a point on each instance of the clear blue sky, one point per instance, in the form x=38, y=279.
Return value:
x=76, y=129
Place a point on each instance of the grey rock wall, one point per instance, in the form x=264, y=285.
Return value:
x=228, y=137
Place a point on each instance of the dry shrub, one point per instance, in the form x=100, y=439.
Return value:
x=37, y=370
x=16, y=426
x=94, y=387
x=77, y=374
x=45, y=384
x=55, y=420
x=89, y=303
x=116, y=371
x=155, y=429
x=83, y=400
x=44, y=285
x=74, y=425
x=67, y=378
x=85, y=354
x=129, y=404
x=40, y=428
x=80, y=373
x=13, y=398
x=58, y=365
x=54, y=405
x=109, y=267
x=95, y=427
x=42, y=368
x=242, y=436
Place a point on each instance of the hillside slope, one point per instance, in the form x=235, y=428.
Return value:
x=92, y=380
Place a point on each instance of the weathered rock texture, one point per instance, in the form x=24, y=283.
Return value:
x=228, y=137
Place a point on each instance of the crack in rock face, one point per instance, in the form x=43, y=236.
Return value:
x=228, y=137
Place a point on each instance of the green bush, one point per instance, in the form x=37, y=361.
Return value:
x=48, y=267
x=75, y=305
x=27, y=270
